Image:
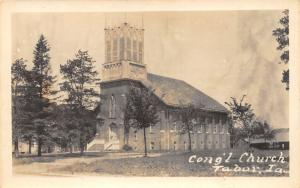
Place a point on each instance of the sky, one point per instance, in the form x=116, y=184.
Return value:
x=222, y=53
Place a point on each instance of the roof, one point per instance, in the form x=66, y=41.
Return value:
x=281, y=130
x=175, y=92
x=282, y=135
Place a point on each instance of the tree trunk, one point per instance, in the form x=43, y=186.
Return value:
x=16, y=149
x=190, y=140
x=81, y=148
x=29, y=146
x=249, y=144
x=40, y=147
x=145, y=142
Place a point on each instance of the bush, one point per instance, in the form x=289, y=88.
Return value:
x=127, y=147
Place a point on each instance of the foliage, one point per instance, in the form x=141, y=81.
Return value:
x=282, y=37
x=40, y=82
x=18, y=71
x=127, y=148
x=141, y=111
x=242, y=117
x=188, y=118
x=79, y=79
x=268, y=132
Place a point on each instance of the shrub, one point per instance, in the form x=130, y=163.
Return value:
x=127, y=147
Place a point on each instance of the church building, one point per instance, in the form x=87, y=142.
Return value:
x=124, y=65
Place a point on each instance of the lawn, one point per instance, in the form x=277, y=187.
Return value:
x=157, y=164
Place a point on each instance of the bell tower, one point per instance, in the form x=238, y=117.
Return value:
x=124, y=53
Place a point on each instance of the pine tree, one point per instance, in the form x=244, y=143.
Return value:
x=18, y=71
x=41, y=82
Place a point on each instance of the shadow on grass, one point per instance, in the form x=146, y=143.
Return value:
x=46, y=158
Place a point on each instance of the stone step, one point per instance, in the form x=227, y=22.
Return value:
x=96, y=147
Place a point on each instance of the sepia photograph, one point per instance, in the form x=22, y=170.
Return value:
x=151, y=94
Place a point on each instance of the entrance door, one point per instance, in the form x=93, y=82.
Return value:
x=113, y=138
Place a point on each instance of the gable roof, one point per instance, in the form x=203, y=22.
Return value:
x=175, y=92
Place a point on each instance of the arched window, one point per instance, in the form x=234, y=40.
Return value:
x=128, y=51
x=122, y=48
x=115, y=49
x=112, y=107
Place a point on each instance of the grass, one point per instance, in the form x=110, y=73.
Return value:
x=130, y=164
x=48, y=158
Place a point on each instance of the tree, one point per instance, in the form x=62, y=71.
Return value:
x=42, y=81
x=141, y=110
x=18, y=71
x=70, y=130
x=242, y=117
x=188, y=118
x=268, y=132
x=282, y=37
x=79, y=80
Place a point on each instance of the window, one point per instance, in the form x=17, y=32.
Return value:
x=222, y=129
x=108, y=51
x=200, y=128
x=217, y=120
x=206, y=128
x=152, y=145
x=115, y=49
x=140, y=52
x=215, y=129
x=134, y=51
x=175, y=127
x=135, y=136
x=128, y=48
x=122, y=48
x=112, y=107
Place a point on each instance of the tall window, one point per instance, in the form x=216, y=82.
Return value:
x=122, y=48
x=217, y=119
x=134, y=51
x=140, y=52
x=112, y=107
x=135, y=136
x=152, y=145
x=128, y=41
x=115, y=49
x=108, y=51
x=215, y=128
x=200, y=128
x=206, y=128
x=222, y=129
